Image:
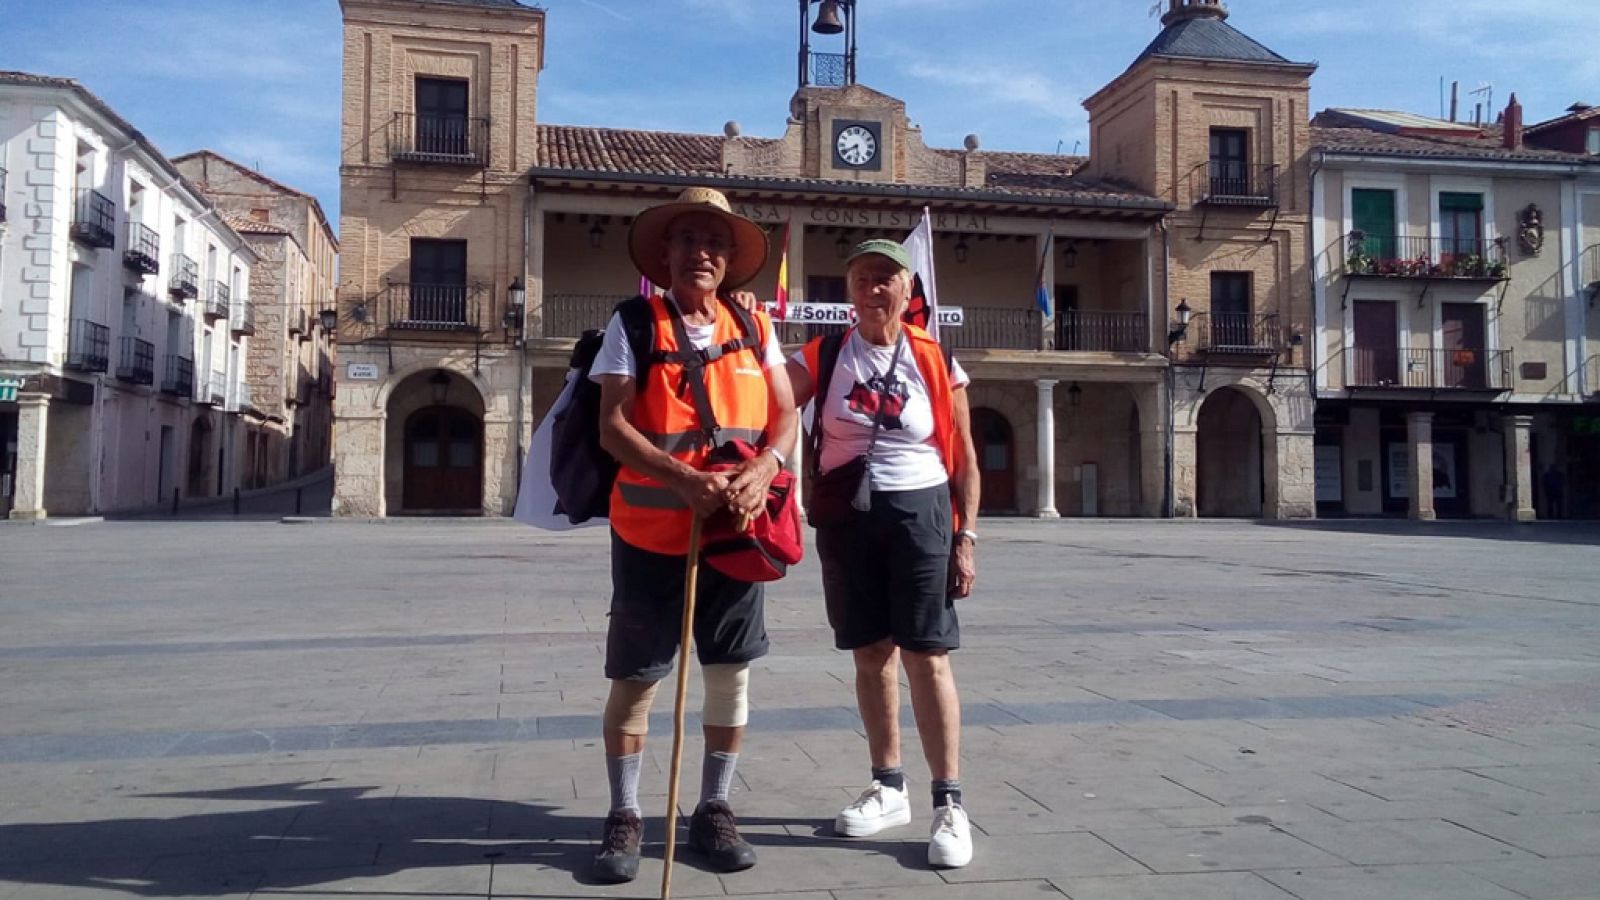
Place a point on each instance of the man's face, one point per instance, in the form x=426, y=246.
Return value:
x=696, y=250
x=879, y=289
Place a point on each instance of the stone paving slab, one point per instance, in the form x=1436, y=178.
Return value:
x=1315, y=712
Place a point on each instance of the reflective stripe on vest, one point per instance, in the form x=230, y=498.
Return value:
x=644, y=512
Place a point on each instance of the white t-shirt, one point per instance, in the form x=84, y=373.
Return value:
x=906, y=457
x=616, y=356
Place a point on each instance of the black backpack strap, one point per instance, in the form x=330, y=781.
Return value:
x=828, y=349
x=638, y=325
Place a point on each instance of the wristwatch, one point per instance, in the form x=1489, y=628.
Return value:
x=969, y=534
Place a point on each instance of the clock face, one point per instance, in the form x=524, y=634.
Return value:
x=856, y=145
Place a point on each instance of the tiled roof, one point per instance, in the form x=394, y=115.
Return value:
x=1208, y=38
x=247, y=225
x=1574, y=116
x=492, y=4
x=603, y=151
x=1485, y=146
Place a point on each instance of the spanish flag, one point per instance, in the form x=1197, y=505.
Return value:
x=783, y=279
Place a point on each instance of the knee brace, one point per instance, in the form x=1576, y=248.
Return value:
x=628, y=707
x=727, y=695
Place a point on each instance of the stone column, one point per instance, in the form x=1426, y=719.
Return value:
x=33, y=416
x=1047, y=449
x=1185, y=475
x=1519, y=468
x=1419, y=429
x=358, y=478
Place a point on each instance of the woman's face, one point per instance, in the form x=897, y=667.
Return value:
x=879, y=290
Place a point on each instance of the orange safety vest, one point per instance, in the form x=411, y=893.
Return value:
x=941, y=396
x=644, y=512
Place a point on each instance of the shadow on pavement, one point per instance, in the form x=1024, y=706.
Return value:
x=1559, y=532
x=319, y=835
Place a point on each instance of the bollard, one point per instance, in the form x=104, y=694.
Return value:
x=236, y=501
x=175, y=502
x=298, y=497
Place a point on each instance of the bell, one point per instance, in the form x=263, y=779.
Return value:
x=828, y=21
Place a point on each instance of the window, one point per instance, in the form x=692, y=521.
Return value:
x=1460, y=226
x=1230, y=162
x=442, y=117
x=1372, y=212
x=1230, y=310
x=1593, y=143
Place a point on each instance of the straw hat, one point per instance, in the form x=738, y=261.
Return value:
x=745, y=260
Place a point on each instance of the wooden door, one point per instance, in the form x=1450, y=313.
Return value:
x=997, y=456
x=1376, y=344
x=1465, y=346
x=443, y=461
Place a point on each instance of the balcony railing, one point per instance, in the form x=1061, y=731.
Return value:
x=1390, y=256
x=1591, y=377
x=2, y=195
x=136, y=361
x=218, y=297
x=244, y=318
x=443, y=140
x=144, y=249
x=1234, y=184
x=88, y=346
x=178, y=376
x=570, y=315
x=1102, y=332
x=1402, y=368
x=213, y=390
x=994, y=328
x=296, y=322
x=434, y=307
x=1237, y=334
x=94, y=222
x=1589, y=272
x=185, y=280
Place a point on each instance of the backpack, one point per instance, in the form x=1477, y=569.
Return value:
x=581, y=471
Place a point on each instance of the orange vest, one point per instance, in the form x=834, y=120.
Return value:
x=935, y=374
x=644, y=512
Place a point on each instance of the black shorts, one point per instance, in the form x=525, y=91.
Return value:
x=647, y=615
x=886, y=573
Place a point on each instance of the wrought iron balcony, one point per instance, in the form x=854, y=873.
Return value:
x=997, y=329
x=1390, y=256
x=1237, y=334
x=2, y=195
x=136, y=361
x=1589, y=274
x=178, y=377
x=185, y=280
x=1102, y=332
x=570, y=315
x=1402, y=368
x=213, y=390
x=88, y=346
x=439, y=140
x=244, y=318
x=1591, y=377
x=94, y=221
x=1234, y=184
x=434, y=307
x=296, y=322
x=144, y=249
x=218, y=296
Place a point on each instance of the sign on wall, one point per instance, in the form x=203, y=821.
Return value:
x=362, y=371
x=1445, y=477
x=9, y=388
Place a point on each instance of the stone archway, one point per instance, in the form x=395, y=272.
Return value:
x=434, y=445
x=1232, y=457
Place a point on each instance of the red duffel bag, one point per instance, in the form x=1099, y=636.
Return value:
x=772, y=544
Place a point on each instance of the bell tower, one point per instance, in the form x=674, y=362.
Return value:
x=834, y=17
x=1179, y=10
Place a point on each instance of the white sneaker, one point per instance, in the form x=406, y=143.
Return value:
x=878, y=807
x=950, y=840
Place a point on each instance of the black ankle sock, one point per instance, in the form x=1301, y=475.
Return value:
x=894, y=777
x=947, y=792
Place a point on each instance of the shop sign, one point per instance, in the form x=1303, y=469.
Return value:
x=9, y=388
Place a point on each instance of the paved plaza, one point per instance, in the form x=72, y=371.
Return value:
x=1154, y=710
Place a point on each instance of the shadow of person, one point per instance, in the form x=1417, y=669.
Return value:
x=308, y=834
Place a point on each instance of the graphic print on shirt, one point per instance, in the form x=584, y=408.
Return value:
x=863, y=400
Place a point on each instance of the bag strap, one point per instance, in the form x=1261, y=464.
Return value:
x=694, y=363
x=639, y=327
x=829, y=347
x=888, y=380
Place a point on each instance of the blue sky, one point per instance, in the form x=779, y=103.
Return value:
x=259, y=80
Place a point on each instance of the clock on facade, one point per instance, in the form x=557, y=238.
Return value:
x=856, y=144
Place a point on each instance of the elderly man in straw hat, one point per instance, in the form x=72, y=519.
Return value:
x=696, y=248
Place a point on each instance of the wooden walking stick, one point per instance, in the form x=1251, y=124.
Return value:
x=691, y=576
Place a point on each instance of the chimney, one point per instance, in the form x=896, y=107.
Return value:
x=1512, y=127
x=1178, y=10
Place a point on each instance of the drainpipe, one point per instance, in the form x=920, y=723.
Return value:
x=524, y=372
x=1312, y=361
x=1171, y=376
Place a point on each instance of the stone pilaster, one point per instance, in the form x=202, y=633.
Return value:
x=1047, y=450
x=1419, y=429
x=33, y=417
x=1519, y=468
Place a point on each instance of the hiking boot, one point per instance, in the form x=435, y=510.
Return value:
x=618, y=858
x=950, y=839
x=878, y=807
x=713, y=832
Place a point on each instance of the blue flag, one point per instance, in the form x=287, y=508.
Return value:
x=1043, y=295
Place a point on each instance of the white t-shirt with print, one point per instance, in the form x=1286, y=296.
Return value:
x=616, y=355
x=906, y=457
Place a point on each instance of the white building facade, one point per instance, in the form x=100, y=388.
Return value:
x=123, y=330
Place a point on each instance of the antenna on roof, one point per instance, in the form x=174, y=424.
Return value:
x=1485, y=90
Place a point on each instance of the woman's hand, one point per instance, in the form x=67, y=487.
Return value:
x=963, y=568
x=746, y=301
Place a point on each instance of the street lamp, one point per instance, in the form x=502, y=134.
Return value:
x=440, y=385
x=961, y=250
x=1071, y=256
x=1074, y=396
x=1184, y=312
x=843, y=246
x=597, y=235
x=516, y=302
x=329, y=318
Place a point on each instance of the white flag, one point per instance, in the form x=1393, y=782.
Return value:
x=920, y=245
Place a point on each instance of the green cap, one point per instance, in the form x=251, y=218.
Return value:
x=893, y=250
